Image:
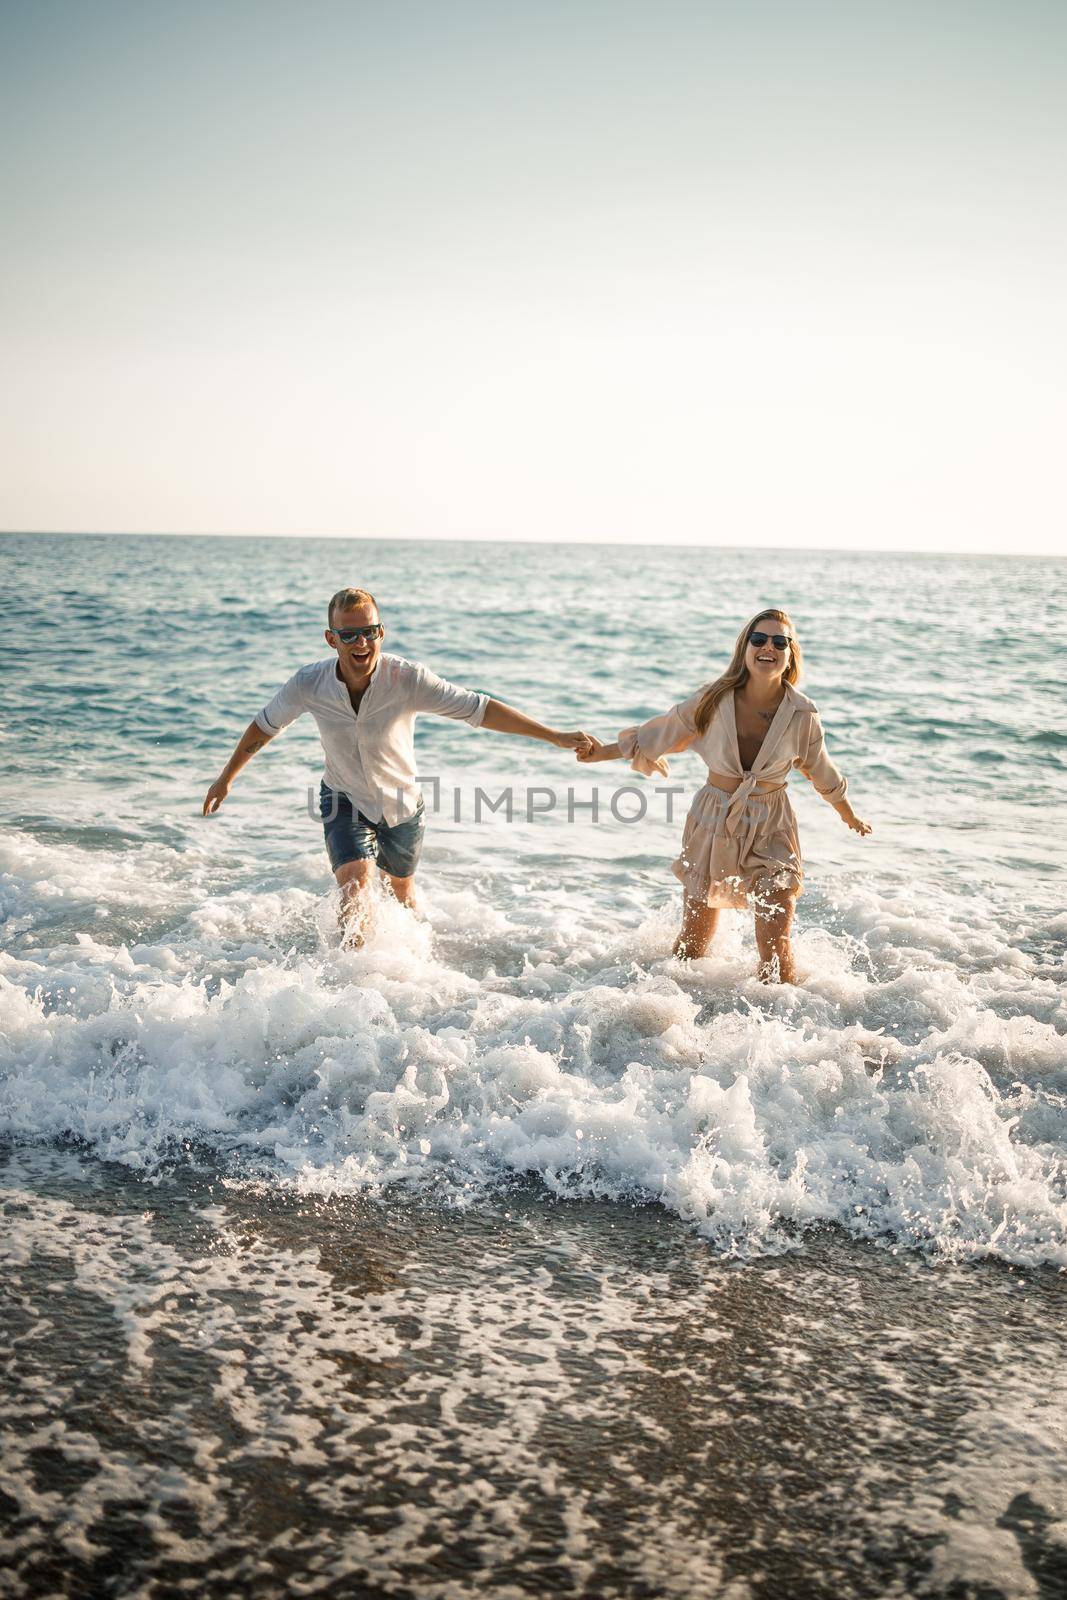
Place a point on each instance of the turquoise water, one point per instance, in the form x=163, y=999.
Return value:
x=187, y=1053
x=172, y=978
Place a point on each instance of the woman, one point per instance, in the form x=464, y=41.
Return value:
x=740, y=843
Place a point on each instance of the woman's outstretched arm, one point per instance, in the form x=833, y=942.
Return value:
x=645, y=746
x=817, y=766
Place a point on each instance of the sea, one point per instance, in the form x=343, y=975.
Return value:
x=506, y=1255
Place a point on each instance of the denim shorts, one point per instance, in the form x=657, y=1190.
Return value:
x=350, y=836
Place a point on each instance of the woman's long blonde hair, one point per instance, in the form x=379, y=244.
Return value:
x=736, y=673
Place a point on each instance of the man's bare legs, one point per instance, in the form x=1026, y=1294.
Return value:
x=774, y=919
x=403, y=889
x=699, y=922
x=355, y=879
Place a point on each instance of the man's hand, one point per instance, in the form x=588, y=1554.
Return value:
x=215, y=796
x=251, y=740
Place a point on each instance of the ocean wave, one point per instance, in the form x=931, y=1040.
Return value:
x=912, y=1089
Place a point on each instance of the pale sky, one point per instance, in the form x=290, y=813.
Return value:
x=769, y=271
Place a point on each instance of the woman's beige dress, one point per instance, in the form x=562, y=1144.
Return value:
x=738, y=846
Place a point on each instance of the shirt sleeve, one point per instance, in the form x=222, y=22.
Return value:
x=646, y=745
x=446, y=699
x=815, y=764
x=286, y=706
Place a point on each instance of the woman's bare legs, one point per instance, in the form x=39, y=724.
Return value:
x=699, y=922
x=774, y=919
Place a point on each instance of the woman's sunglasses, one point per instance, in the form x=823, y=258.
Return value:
x=779, y=640
x=350, y=635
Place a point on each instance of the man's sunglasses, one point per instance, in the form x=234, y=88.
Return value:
x=779, y=640
x=350, y=635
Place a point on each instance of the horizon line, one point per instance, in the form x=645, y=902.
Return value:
x=492, y=539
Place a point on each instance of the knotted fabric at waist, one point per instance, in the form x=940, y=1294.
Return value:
x=746, y=790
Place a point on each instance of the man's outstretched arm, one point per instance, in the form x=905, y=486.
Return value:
x=444, y=699
x=505, y=719
x=251, y=740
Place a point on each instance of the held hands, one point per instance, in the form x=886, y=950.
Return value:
x=215, y=796
x=587, y=747
x=598, y=751
x=579, y=742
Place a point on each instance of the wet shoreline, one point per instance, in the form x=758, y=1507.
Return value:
x=233, y=1389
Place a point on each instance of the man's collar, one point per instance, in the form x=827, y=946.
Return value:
x=341, y=677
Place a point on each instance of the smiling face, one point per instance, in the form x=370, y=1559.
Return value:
x=767, y=662
x=361, y=655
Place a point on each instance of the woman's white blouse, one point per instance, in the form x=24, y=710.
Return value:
x=794, y=739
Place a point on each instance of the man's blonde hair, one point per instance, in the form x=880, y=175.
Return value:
x=347, y=600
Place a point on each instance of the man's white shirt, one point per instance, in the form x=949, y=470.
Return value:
x=370, y=756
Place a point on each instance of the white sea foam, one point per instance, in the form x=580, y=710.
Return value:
x=911, y=1088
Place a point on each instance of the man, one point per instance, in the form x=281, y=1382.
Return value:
x=365, y=704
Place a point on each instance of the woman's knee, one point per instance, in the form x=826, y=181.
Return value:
x=774, y=916
x=774, y=900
